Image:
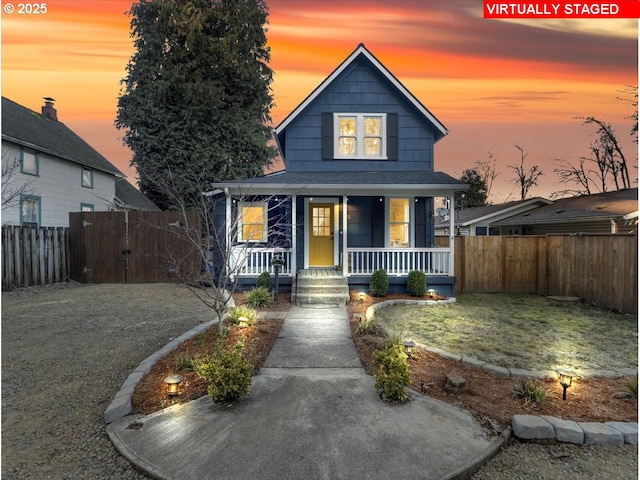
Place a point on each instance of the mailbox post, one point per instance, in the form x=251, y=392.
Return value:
x=277, y=261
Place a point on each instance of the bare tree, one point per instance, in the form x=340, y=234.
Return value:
x=215, y=277
x=525, y=179
x=487, y=170
x=12, y=185
x=605, y=170
x=630, y=94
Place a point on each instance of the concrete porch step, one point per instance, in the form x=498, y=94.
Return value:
x=321, y=298
x=307, y=289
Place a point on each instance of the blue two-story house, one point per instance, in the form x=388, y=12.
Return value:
x=357, y=193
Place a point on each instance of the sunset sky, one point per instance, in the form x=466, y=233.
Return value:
x=493, y=83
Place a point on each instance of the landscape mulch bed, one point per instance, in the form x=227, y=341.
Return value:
x=487, y=396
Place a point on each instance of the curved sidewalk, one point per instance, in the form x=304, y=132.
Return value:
x=312, y=413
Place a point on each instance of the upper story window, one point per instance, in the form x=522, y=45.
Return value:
x=29, y=163
x=87, y=178
x=252, y=222
x=29, y=210
x=360, y=135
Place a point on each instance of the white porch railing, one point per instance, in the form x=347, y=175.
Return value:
x=247, y=261
x=398, y=261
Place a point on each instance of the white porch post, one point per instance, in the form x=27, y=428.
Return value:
x=345, y=257
x=452, y=233
x=294, y=236
x=227, y=216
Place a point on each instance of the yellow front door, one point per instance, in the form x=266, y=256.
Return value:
x=320, y=234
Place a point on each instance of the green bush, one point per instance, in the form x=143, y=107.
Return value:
x=530, y=390
x=258, y=297
x=241, y=311
x=630, y=390
x=228, y=373
x=416, y=283
x=264, y=280
x=379, y=283
x=370, y=326
x=393, y=376
x=184, y=361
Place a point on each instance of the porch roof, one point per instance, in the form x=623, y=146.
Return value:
x=350, y=183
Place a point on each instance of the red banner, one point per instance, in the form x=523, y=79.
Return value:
x=517, y=9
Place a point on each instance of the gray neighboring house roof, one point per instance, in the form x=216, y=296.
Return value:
x=33, y=130
x=130, y=198
x=618, y=205
x=489, y=213
x=362, y=183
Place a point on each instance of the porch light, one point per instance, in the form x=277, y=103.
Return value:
x=409, y=346
x=243, y=322
x=565, y=377
x=172, y=382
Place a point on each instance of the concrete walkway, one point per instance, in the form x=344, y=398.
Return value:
x=312, y=413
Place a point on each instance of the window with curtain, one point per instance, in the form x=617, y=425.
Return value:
x=252, y=222
x=399, y=222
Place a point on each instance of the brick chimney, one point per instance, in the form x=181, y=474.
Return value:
x=48, y=111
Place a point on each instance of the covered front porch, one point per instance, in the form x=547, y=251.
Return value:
x=301, y=222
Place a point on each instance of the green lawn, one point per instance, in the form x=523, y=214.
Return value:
x=521, y=331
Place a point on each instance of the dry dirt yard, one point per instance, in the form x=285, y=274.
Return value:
x=66, y=350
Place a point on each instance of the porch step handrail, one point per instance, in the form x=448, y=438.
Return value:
x=398, y=261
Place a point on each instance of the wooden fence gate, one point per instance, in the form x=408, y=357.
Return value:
x=133, y=247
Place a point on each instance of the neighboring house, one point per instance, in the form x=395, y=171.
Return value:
x=480, y=221
x=357, y=193
x=129, y=197
x=610, y=212
x=57, y=170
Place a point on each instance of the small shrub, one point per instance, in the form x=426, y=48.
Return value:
x=416, y=283
x=370, y=326
x=241, y=311
x=264, y=281
x=530, y=390
x=184, y=361
x=630, y=391
x=379, y=283
x=228, y=373
x=258, y=297
x=393, y=375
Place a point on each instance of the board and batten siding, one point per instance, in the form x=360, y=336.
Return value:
x=359, y=89
x=59, y=186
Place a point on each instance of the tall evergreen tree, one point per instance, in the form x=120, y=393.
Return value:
x=476, y=195
x=195, y=103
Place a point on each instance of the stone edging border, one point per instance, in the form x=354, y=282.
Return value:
x=533, y=427
x=121, y=404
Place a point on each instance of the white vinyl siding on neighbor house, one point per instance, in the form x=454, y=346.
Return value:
x=28, y=162
x=60, y=190
x=360, y=135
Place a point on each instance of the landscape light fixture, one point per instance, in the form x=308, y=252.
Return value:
x=243, y=322
x=566, y=377
x=172, y=382
x=409, y=346
x=431, y=292
x=361, y=297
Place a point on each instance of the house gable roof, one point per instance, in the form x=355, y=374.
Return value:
x=361, y=52
x=29, y=129
x=129, y=197
x=600, y=206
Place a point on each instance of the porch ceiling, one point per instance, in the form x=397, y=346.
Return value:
x=346, y=183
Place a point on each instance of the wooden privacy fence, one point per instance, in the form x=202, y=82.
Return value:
x=600, y=269
x=34, y=256
x=134, y=247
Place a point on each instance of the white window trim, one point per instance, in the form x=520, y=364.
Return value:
x=360, y=117
x=90, y=183
x=387, y=218
x=265, y=221
x=38, y=202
